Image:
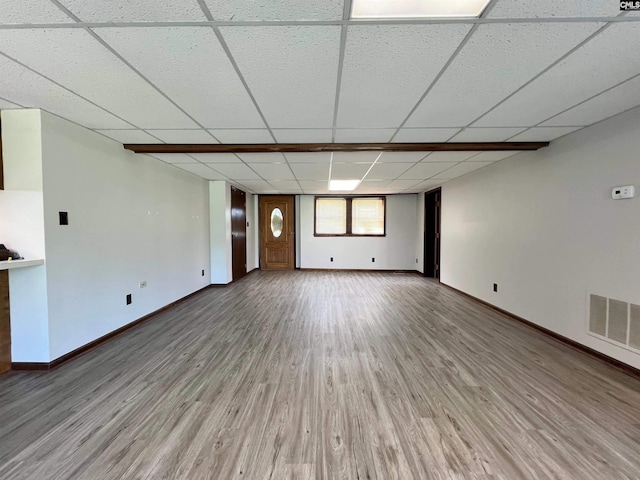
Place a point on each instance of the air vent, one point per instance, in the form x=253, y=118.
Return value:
x=615, y=320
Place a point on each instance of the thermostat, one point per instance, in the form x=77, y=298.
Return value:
x=619, y=193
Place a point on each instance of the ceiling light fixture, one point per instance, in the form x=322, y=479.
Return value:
x=369, y=9
x=343, y=185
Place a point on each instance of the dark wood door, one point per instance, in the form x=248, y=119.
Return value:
x=277, y=233
x=432, y=234
x=238, y=233
x=5, y=323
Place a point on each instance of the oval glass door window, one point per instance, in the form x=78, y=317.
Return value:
x=276, y=222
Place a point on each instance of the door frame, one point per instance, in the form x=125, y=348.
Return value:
x=295, y=227
x=432, y=238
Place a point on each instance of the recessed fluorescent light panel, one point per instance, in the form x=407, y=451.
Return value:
x=343, y=185
x=368, y=9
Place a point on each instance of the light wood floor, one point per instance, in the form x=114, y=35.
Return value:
x=324, y=375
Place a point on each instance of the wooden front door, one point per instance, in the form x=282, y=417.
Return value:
x=238, y=233
x=277, y=235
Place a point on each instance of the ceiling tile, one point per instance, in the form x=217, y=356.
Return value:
x=401, y=185
x=243, y=10
x=311, y=171
x=174, y=158
x=273, y=171
x=461, y=169
x=497, y=60
x=314, y=184
x=31, y=90
x=129, y=136
x=303, y=135
x=372, y=185
x=183, y=136
x=392, y=157
x=449, y=156
x=203, y=82
x=349, y=171
x=493, y=156
x=6, y=105
x=76, y=60
x=425, y=135
x=138, y=11
x=423, y=171
x=605, y=105
x=596, y=66
x=200, y=170
x=543, y=134
x=387, y=68
x=216, y=157
x=553, y=8
x=291, y=71
x=426, y=186
x=486, y=134
x=256, y=185
x=243, y=136
x=31, y=11
x=262, y=157
x=236, y=171
x=285, y=184
x=389, y=171
x=364, y=135
x=355, y=157
x=308, y=157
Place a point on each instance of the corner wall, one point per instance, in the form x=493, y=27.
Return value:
x=543, y=226
x=132, y=218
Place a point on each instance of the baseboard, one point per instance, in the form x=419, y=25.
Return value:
x=391, y=270
x=572, y=343
x=43, y=366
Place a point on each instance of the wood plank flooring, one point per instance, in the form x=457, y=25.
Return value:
x=314, y=375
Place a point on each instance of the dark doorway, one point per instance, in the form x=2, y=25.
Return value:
x=277, y=234
x=432, y=234
x=238, y=233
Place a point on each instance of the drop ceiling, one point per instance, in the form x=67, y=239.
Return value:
x=243, y=71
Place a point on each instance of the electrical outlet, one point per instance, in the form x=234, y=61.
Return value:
x=64, y=218
x=332, y=259
x=142, y=284
x=373, y=259
x=495, y=287
x=129, y=299
x=416, y=260
x=203, y=273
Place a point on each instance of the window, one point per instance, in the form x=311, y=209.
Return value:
x=350, y=216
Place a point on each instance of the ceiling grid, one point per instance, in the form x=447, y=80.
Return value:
x=305, y=72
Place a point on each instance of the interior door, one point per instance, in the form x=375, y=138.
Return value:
x=238, y=233
x=432, y=234
x=277, y=235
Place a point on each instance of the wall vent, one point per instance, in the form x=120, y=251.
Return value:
x=615, y=320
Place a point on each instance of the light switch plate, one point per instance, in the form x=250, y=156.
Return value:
x=627, y=191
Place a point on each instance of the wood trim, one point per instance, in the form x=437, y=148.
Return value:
x=572, y=343
x=43, y=366
x=330, y=147
x=391, y=270
x=1, y=161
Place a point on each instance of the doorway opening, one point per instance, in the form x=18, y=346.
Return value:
x=238, y=233
x=432, y=206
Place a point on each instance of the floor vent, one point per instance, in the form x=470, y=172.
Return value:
x=615, y=320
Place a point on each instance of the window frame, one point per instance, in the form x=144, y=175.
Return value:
x=349, y=200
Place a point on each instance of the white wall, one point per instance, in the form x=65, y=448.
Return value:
x=393, y=252
x=252, y=232
x=22, y=229
x=542, y=226
x=132, y=218
x=220, y=232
